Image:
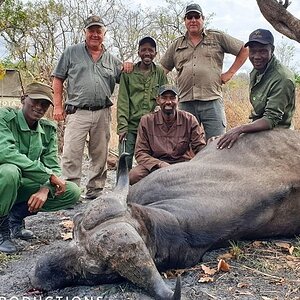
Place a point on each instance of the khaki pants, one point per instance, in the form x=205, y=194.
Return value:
x=79, y=126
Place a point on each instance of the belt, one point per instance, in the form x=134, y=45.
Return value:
x=92, y=108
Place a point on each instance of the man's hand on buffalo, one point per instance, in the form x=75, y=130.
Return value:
x=229, y=138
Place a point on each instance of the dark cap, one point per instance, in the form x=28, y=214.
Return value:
x=39, y=91
x=193, y=8
x=147, y=39
x=167, y=88
x=262, y=36
x=93, y=20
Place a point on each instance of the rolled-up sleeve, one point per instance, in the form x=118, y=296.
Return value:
x=279, y=98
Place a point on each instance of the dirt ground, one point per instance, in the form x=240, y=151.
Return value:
x=249, y=270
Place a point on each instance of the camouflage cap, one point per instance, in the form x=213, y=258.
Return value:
x=93, y=21
x=167, y=88
x=39, y=91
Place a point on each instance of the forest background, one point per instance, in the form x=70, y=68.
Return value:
x=35, y=33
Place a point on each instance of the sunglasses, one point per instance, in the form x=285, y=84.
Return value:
x=191, y=16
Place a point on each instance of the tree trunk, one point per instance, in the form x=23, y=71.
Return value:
x=282, y=20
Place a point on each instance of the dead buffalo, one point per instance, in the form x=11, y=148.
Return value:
x=173, y=216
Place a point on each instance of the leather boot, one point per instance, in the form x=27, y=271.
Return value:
x=6, y=244
x=17, y=224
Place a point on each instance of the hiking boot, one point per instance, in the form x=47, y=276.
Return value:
x=18, y=231
x=92, y=194
x=6, y=244
x=17, y=224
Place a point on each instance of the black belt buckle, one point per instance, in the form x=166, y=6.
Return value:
x=70, y=109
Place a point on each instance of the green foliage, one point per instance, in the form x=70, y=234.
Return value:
x=12, y=15
x=296, y=251
x=236, y=250
x=297, y=79
x=4, y=258
x=35, y=33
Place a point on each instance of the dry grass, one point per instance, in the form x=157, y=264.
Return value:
x=238, y=107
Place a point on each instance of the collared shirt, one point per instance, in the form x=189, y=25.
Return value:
x=34, y=152
x=137, y=96
x=272, y=94
x=199, y=67
x=89, y=83
x=156, y=142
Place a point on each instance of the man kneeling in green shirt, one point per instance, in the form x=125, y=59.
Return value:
x=29, y=167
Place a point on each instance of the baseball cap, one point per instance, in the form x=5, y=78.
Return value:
x=167, y=88
x=93, y=20
x=39, y=91
x=262, y=36
x=147, y=39
x=193, y=8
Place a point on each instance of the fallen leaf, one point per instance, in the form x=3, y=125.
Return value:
x=68, y=224
x=205, y=279
x=208, y=270
x=257, y=244
x=242, y=285
x=291, y=250
x=278, y=281
x=284, y=246
x=292, y=264
x=173, y=273
x=225, y=256
x=223, y=266
x=66, y=236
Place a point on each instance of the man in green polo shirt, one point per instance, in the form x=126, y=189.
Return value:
x=29, y=168
x=272, y=90
x=137, y=95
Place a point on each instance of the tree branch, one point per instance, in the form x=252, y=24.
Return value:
x=282, y=20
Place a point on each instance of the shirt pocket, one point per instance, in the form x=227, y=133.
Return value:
x=211, y=48
x=182, y=58
x=181, y=147
x=259, y=103
x=106, y=70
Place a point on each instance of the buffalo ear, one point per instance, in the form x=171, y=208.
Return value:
x=122, y=174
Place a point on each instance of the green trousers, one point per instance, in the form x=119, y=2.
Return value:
x=128, y=147
x=15, y=189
